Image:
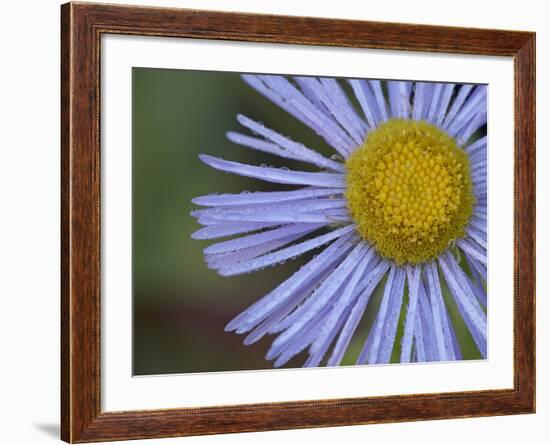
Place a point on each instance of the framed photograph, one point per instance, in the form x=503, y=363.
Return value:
x=275, y=222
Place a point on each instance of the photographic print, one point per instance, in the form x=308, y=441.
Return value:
x=286, y=221
x=277, y=222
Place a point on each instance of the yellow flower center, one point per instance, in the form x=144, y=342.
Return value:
x=409, y=190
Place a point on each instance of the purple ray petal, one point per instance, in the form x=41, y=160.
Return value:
x=451, y=345
x=478, y=157
x=329, y=94
x=342, y=110
x=284, y=309
x=285, y=254
x=341, y=144
x=205, y=220
x=251, y=211
x=328, y=329
x=260, y=238
x=473, y=315
x=315, y=357
x=477, y=121
x=356, y=313
x=321, y=296
x=479, y=181
x=477, y=283
x=480, y=164
x=479, y=219
x=302, y=205
x=479, y=145
x=366, y=99
x=304, y=82
x=422, y=99
x=279, y=176
x=478, y=236
x=400, y=98
x=413, y=279
x=385, y=326
x=480, y=268
x=313, y=117
x=419, y=349
x=481, y=197
x=474, y=251
x=478, y=222
x=436, y=97
x=392, y=318
x=370, y=351
x=300, y=279
x=443, y=103
x=438, y=308
x=439, y=103
x=463, y=93
x=282, y=145
x=480, y=192
x=281, y=217
x=475, y=103
x=427, y=322
x=376, y=87
x=245, y=198
x=298, y=343
x=223, y=230
x=293, y=101
x=480, y=212
x=223, y=260
x=288, y=321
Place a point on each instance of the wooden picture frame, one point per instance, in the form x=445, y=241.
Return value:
x=82, y=25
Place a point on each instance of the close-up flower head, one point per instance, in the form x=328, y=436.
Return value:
x=401, y=206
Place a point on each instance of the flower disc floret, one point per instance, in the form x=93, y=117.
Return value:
x=409, y=190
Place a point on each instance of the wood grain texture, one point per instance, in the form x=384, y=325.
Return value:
x=81, y=28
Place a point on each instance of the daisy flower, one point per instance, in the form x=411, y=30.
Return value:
x=401, y=205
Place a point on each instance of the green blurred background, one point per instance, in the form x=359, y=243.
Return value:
x=181, y=306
